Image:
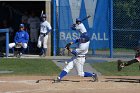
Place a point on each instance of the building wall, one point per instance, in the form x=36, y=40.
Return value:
x=48, y=12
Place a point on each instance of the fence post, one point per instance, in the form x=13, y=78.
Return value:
x=7, y=42
x=111, y=28
x=54, y=27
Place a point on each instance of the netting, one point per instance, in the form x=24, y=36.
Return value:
x=126, y=20
x=126, y=26
x=69, y=10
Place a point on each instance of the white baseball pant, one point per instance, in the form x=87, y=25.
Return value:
x=11, y=45
x=78, y=62
x=42, y=40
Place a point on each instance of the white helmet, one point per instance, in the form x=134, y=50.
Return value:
x=44, y=16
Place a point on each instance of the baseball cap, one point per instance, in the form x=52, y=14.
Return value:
x=21, y=25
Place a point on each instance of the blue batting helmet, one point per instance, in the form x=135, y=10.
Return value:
x=78, y=20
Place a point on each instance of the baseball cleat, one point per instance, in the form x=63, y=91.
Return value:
x=56, y=80
x=120, y=65
x=95, y=77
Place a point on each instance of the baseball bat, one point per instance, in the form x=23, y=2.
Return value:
x=42, y=13
x=85, y=18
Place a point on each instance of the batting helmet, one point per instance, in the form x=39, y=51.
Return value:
x=78, y=20
x=44, y=16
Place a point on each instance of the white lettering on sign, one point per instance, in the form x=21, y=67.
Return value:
x=99, y=36
x=68, y=36
x=73, y=36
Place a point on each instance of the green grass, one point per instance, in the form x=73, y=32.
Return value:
x=28, y=67
x=110, y=69
x=118, y=49
x=123, y=50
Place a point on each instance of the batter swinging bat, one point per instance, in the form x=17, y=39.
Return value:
x=83, y=19
x=62, y=52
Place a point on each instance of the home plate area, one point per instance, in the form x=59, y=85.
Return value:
x=70, y=84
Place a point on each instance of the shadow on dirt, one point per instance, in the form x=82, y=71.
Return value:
x=63, y=80
x=129, y=80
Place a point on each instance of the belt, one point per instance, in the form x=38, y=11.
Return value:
x=42, y=33
x=80, y=56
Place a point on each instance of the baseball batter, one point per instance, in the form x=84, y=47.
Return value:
x=45, y=28
x=79, y=53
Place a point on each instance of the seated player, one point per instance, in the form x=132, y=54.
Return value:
x=21, y=39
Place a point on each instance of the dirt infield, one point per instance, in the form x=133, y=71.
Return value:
x=70, y=84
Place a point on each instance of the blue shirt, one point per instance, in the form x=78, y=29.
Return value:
x=21, y=37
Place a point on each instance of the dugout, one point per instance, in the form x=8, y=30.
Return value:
x=12, y=11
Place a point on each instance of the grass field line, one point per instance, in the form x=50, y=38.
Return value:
x=27, y=91
x=30, y=82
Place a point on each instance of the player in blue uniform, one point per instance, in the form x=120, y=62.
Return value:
x=21, y=38
x=79, y=53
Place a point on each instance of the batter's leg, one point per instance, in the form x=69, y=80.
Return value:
x=65, y=71
x=79, y=65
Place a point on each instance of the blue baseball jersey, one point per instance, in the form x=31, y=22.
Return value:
x=21, y=37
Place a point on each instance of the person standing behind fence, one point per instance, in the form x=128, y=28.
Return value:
x=34, y=25
x=25, y=17
x=45, y=28
x=24, y=20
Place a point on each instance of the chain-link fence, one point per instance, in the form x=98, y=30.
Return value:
x=126, y=15
x=69, y=10
x=126, y=20
x=126, y=29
